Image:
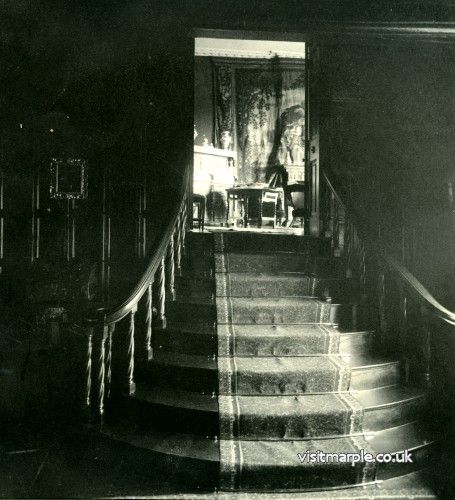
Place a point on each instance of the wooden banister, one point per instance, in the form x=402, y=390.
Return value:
x=101, y=325
x=406, y=313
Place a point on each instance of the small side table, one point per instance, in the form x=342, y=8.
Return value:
x=252, y=200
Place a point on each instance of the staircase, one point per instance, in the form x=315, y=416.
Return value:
x=265, y=357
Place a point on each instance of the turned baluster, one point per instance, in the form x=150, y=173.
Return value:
x=130, y=386
x=178, y=248
x=88, y=370
x=184, y=221
x=161, y=292
x=110, y=331
x=335, y=233
x=99, y=367
x=148, y=323
x=426, y=344
x=171, y=269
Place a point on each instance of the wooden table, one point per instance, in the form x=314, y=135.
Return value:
x=253, y=200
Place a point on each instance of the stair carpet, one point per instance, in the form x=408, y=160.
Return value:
x=254, y=369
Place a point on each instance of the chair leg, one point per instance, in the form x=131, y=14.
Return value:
x=202, y=216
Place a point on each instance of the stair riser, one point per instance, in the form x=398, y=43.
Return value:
x=375, y=377
x=241, y=242
x=355, y=343
x=200, y=380
x=275, y=263
x=392, y=416
x=281, y=345
x=199, y=265
x=298, y=477
x=243, y=311
x=303, y=286
x=205, y=381
x=421, y=457
x=169, y=418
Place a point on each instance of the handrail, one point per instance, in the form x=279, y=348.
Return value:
x=165, y=263
x=406, y=276
x=406, y=312
x=118, y=312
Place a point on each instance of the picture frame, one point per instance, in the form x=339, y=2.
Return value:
x=68, y=178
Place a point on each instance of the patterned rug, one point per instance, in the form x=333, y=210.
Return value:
x=282, y=383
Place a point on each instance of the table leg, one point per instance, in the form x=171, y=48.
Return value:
x=260, y=197
x=245, y=202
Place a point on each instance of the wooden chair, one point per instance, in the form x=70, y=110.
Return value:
x=199, y=203
x=295, y=194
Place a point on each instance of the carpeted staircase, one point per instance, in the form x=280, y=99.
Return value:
x=262, y=361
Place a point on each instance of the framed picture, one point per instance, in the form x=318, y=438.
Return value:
x=68, y=178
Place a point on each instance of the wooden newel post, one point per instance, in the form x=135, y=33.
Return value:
x=100, y=333
x=130, y=386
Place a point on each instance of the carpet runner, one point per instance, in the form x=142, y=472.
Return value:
x=282, y=384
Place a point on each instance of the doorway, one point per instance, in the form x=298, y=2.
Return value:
x=250, y=133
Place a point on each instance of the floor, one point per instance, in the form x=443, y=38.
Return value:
x=72, y=467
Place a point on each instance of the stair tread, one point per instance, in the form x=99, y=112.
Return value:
x=250, y=363
x=170, y=443
x=284, y=453
x=177, y=398
x=277, y=404
x=395, y=439
x=266, y=330
x=362, y=361
x=373, y=398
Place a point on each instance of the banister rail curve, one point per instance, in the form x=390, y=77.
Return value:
x=157, y=283
x=406, y=314
x=405, y=275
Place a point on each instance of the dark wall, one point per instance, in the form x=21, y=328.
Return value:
x=388, y=115
x=80, y=82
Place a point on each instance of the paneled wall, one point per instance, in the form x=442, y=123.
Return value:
x=388, y=118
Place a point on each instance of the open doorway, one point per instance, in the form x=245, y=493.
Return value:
x=249, y=134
